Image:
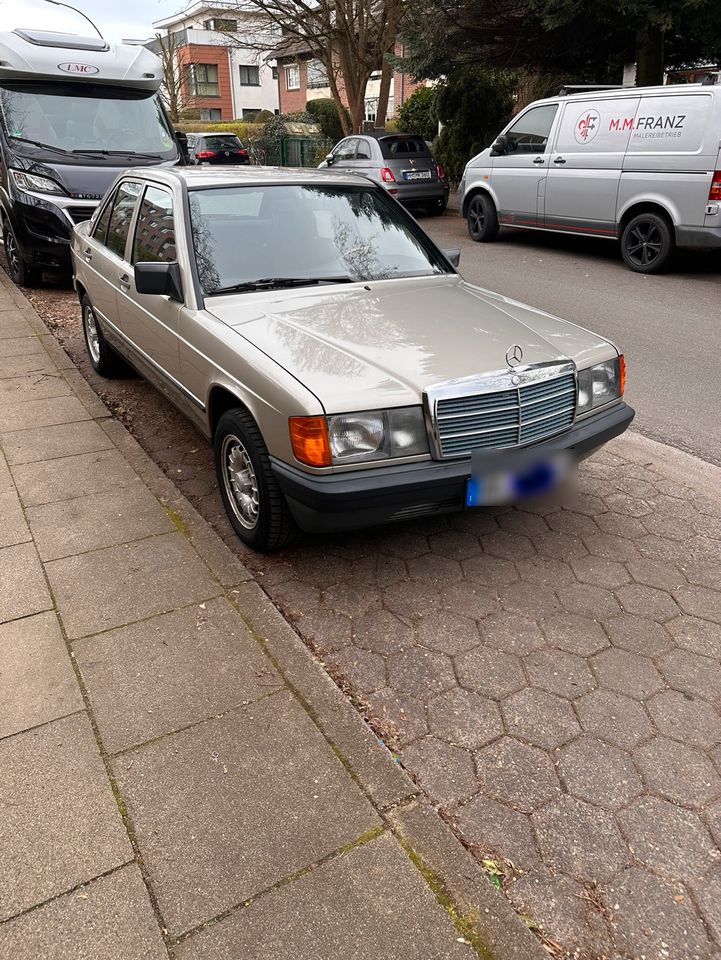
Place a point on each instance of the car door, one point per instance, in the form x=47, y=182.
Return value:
x=150, y=321
x=586, y=161
x=104, y=252
x=518, y=174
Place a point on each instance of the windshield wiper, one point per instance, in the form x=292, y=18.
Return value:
x=39, y=143
x=270, y=283
x=116, y=153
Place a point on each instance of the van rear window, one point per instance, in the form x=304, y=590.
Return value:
x=403, y=147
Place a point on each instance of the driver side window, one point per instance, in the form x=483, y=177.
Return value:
x=119, y=224
x=529, y=134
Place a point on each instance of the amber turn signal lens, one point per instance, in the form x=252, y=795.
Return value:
x=309, y=439
x=622, y=373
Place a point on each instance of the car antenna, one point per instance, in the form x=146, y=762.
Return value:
x=58, y=3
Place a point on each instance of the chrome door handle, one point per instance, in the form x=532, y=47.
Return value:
x=559, y=160
x=87, y=254
x=124, y=282
x=539, y=160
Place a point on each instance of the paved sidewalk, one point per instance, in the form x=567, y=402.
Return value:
x=178, y=776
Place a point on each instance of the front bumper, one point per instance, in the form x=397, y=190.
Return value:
x=43, y=231
x=346, y=501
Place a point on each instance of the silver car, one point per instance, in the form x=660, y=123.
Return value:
x=344, y=371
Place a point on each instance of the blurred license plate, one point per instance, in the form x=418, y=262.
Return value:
x=416, y=174
x=507, y=477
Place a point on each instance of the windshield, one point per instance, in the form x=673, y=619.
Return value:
x=243, y=234
x=67, y=117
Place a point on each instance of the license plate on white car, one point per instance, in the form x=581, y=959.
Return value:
x=416, y=174
x=505, y=478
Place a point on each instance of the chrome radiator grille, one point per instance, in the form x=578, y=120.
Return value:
x=505, y=418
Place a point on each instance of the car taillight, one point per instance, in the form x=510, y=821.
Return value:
x=243, y=153
x=440, y=171
x=715, y=191
x=387, y=175
x=205, y=154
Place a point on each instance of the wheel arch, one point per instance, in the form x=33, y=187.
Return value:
x=221, y=399
x=650, y=205
x=474, y=191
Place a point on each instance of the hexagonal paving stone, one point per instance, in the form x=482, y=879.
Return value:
x=351, y=599
x=611, y=547
x=496, y=830
x=647, y=602
x=365, y=671
x=321, y=570
x=656, y=573
x=446, y=773
x=402, y=542
x=464, y=719
x=545, y=572
x=589, y=601
x=329, y=631
x=700, y=602
x=690, y=673
x=597, y=772
x=713, y=819
x=600, y=572
x=705, y=573
x=654, y=918
x=402, y=715
x=614, y=718
x=411, y=599
x=382, y=632
x=470, y=600
x=619, y=526
x=627, y=673
x=435, y=570
x=678, y=772
x=575, y=634
x=519, y=775
x=520, y=521
x=420, y=672
x=639, y=635
x=447, y=632
x=667, y=838
x=559, y=672
x=512, y=632
x=575, y=524
x=455, y=545
x=507, y=545
x=540, y=718
x=670, y=528
x=295, y=598
x=698, y=636
x=529, y=600
x=489, y=571
x=629, y=506
x=490, y=671
x=708, y=898
x=564, y=911
x=681, y=717
x=378, y=571
x=559, y=546
x=580, y=840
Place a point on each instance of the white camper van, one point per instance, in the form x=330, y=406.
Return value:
x=74, y=111
x=639, y=165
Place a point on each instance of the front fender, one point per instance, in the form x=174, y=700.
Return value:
x=474, y=187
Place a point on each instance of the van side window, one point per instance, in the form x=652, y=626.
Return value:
x=154, y=229
x=101, y=224
x=123, y=208
x=529, y=134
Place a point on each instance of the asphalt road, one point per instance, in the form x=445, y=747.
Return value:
x=668, y=326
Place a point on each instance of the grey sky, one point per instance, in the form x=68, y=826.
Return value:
x=115, y=18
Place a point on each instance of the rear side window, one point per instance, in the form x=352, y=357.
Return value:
x=119, y=225
x=155, y=229
x=529, y=134
x=403, y=147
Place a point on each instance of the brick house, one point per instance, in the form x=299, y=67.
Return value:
x=220, y=77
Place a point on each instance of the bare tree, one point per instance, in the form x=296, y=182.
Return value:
x=174, y=88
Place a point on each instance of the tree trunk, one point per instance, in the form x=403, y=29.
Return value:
x=649, y=56
x=383, y=93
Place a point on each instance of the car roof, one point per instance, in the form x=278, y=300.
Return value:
x=210, y=133
x=384, y=134
x=197, y=177
x=669, y=89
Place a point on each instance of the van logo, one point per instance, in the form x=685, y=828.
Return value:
x=79, y=69
x=587, y=126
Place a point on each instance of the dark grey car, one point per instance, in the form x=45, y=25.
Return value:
x=399, y=162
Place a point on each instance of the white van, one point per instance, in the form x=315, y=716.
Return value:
x=642, y=165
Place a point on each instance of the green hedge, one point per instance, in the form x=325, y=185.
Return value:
x=246, y=131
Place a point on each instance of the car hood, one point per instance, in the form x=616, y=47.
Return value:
x=382, y=344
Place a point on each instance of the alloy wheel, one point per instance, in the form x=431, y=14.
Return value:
x=91, y=333
x=644, y=243
x=241, y=484
x=477, y=217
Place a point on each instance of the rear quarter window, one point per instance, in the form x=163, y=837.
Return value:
x=403, y=147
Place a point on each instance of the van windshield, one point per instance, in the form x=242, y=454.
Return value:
x=59, y=118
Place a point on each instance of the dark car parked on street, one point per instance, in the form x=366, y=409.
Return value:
x=213, y=148
x=401, y=163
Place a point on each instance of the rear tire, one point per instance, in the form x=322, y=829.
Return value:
x=21, y=272
x=103, y=358
x=253, y=501
x=482, y=219
x=647, y=243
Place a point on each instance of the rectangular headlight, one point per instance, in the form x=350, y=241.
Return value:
x=377, y=435
x=599, y=384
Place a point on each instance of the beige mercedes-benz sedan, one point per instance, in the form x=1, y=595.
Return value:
x=345, y=372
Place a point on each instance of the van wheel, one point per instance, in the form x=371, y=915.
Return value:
x=647, y=243
x=103, y=358
x=251, y=496
x=482, y=219
x=21, y=272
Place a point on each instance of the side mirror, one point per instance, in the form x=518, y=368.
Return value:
x=452, y=256
x=329, y=159
x=499, y=147
x=159, y=280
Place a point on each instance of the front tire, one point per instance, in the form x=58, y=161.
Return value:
x=103, y=358
x=253, y=501
x=21, y=272
x=482, y=219
x=647, y=243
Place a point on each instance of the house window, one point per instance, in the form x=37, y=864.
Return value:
x=317, y=74
x=250, y=111
x=275, y=72
x=203, y=80
x=249, y=76
x=207, y=114
x=221, y=24
x=292, y=77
